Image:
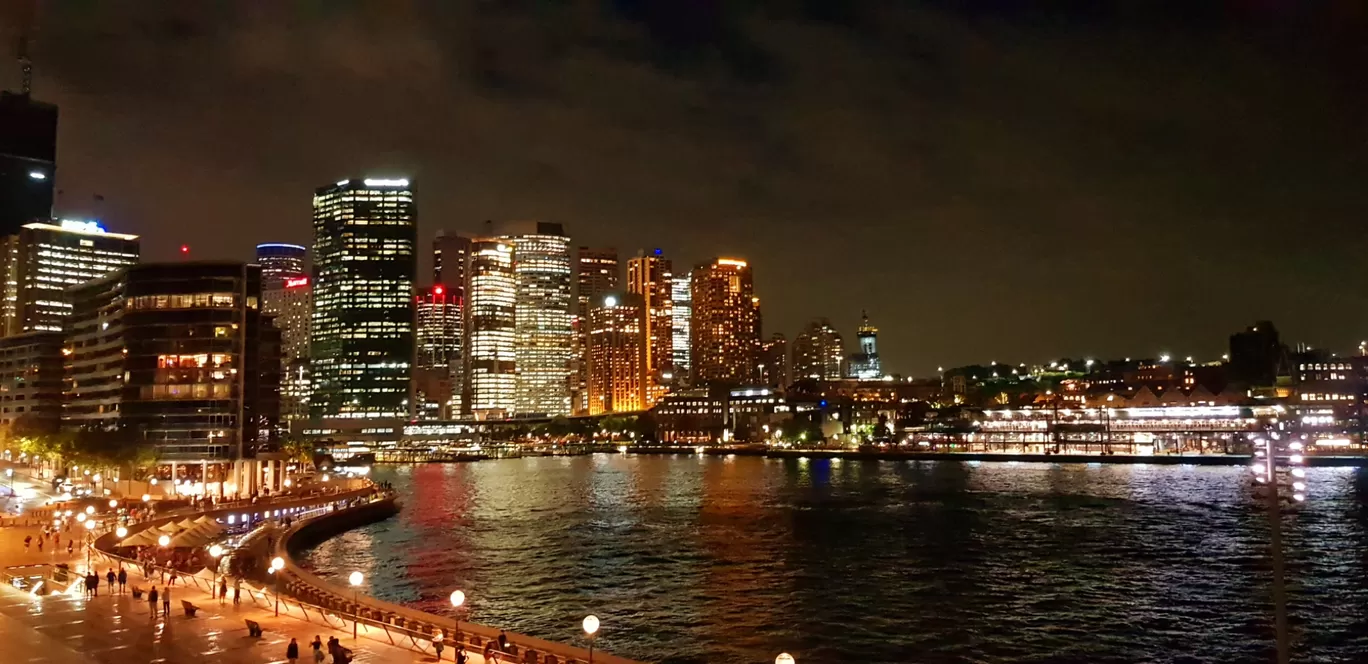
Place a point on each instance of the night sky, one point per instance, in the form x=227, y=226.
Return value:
x=990, y=182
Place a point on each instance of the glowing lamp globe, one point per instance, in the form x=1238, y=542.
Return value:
x=90, y=525
x=784, y=658
x=278, y=563
x=121, y=532
x=457, y=598
x=591, y=624
x=356, y=578
x=164, y=540
x=215, y=550
x=113, y=503
x=90, y=509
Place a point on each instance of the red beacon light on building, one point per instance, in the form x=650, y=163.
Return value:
x=438, y=290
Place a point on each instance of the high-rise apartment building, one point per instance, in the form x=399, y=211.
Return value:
x=177, y=355
x=774, y=368
x=616, y=357
x=650, y=277
x=365, y=263
x=280, y=263
x=290, y=307
x=818, y=352
x=450, y=252
x=491, y=375
x=682, y=306
x=596, y=275
x=28, y=160
x=43, y=259
x=725, y=323
x=865, y=364
x=544, y=337
x=437, y=366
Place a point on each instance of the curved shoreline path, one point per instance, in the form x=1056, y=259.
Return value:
x=68, y=627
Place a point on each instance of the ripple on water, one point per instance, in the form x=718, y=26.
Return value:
x=691, y=560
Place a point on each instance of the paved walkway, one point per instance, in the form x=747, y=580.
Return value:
x=58, y=629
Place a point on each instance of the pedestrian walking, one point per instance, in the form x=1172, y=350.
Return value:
x=93, y=583
x=237, y=591
x=123, y=579
x=40, y=546
x=27, y=541
x=292, y=651
x=166, y=601
x=223, y=590
x=70, y=547
x=152, y=602
x=437, y=645
x=460, y=654
x=173, y=577
x=109, y=576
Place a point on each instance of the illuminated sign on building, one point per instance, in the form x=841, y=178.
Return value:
x=297, y=283
x=82, y=226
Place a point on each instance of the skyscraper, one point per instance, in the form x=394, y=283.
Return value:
x=618, y=380
x=437, y=368
x=280, y=263
x=682, y=306
x=596, y=275
x=544, y=338
x=724, y=326
x=650, y=276
x=774, y=362
x=865, y=364
x=818, y=352
x=289, y=303
x=43, y=259
x=365, y=231
x=28, y=160
x=491, y=376
x=450, y=253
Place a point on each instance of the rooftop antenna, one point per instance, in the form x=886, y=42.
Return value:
x=25, y=64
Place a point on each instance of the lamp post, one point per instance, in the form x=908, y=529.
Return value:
x=214, y=552
x=591, y=626
x=277, y=564
x=9, y=474
x=355, y=579
x=90, y=532
x=457, y=602
x=784, y=658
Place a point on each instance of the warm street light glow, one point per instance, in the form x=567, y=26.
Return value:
x=113, y=503
x=153, y=482
x=591, y=624
x=278, y=563
x=784, y=658
x=147, y=498
x=216, y=551
x=90, y=509
x=287, y=483
x=163, y=540
x=457, y=598
x=356, y=578
x=121, y=532
x=81, y=516
x=90, y=525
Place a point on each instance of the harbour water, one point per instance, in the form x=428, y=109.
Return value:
x=701, y=559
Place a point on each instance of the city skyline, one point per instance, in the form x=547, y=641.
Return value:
x=1044, y=215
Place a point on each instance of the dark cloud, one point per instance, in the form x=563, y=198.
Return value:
x=1004, y=179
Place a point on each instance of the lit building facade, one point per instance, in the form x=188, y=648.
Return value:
x=365, y=232
x=281, y=263
x=28, y=160
x=596, y=275
x=437, y=367
x=31, y=381
x=544, y=336
x=865, y=364
x=773, y=368
x=618, y=379
x=179, y=356
x=650, y=277
x=681, y=303
x=818, y=352
x=724, y=323
x=290, y=305
x=44, y=259
x=491, y=377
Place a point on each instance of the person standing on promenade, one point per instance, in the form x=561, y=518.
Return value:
x=123, y=578
x=70, y=546
x=460, y=654
x=173, y=576
x=152, y=601
x=237, y=591
x=40, y=546
x=437, y=645
x=503, y=641
x=292, y=651
x=317, y=649
x=109, y=576
x=166, y=601
x=223, y=590
x=28, y=539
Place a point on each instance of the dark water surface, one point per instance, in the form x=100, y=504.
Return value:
x=693, y=559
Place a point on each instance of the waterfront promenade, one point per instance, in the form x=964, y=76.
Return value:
x=61, y=628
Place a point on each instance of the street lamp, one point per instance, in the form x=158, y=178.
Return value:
x=355, y=580
x=457, y=601
x=591, y=625
x=90, y=509
x=785, y=658
x=164, y=540
x=90, y=532
x=81, y=517
x=121, y=532
x=277, y=564
x=214, y=552
x=113, y=503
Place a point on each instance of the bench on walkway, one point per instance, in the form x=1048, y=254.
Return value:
x=253, y=628
x=190, y=609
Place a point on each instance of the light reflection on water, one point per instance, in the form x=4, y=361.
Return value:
x=692, y=559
